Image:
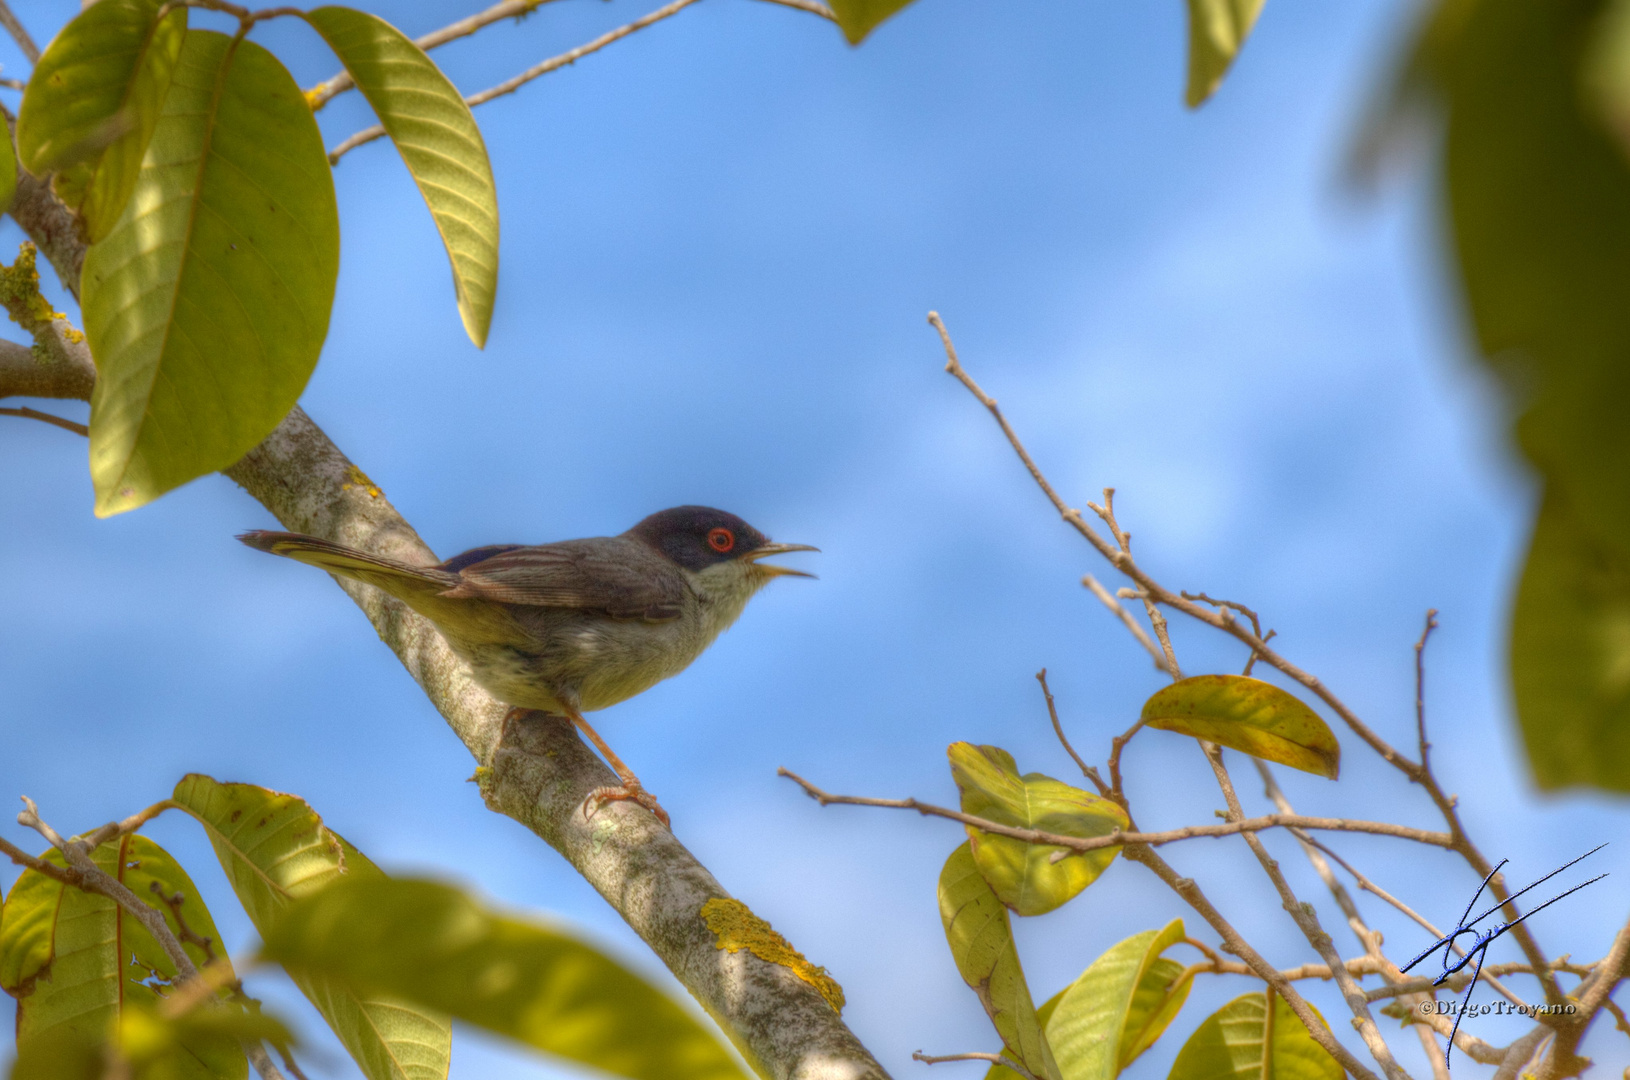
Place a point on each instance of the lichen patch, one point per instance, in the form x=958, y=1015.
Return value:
x=735, y=928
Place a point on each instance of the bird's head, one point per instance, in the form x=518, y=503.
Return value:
x=719, y=548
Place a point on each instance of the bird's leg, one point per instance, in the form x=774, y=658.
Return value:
x=631, y=789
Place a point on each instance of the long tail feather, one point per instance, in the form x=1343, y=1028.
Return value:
x=396, y=578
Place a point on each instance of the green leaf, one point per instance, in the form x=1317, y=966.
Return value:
x=1118, y=1007
x=981, y=942
x=275, y=849
x=207, y=304
x=1249, y=715
x=1023, y=875
x=148, y=1045
x=426, y=117
x=857, y=18
x=8, y=175
x=1538, y=185
x=1217, y=30
x=1229, y=1046
x=1570, y=655
x=1043, y=1014
x=93, y=102
x=432, y=944
x=77, y=963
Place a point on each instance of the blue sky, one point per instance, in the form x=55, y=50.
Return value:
x=720, y=239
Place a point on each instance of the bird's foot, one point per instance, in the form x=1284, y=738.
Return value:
x=630, y=790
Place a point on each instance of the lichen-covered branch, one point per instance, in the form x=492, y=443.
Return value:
x=536, y=771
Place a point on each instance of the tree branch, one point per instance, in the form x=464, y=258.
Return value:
x=1153, y=593
x=537, y=772
x=326, y=91
x=19, y=33
x=1119, y=838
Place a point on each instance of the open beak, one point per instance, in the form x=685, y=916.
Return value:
x=772, y=570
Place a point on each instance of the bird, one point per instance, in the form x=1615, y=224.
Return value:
x=576, y=626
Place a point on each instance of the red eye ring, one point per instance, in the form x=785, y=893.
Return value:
x=721, y=540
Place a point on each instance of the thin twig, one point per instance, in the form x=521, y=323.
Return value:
x=1116, y=746
x=34, y=414
x=810, y=6
x=994, y=1059
x=68, y=876
x=13, y=84
x=1195, y=897
x=1153, y=593
x=1118, y=837
x=1420, y=686
x=1307, y=921
x=1126, y=618
x=1369, y=886
x=94, y=879
x=326, y=91
x=1052, y=711
x=509, y=86
x=1368, y=940
x=19, y=33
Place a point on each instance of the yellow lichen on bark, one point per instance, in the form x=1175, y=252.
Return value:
x=735, y=927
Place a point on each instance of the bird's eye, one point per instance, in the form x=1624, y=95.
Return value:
x=721, y=540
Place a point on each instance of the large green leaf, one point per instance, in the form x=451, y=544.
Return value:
x=432, y=944
x=1539, y=202
x=207, y=304
x=1250, y=715
x=860, y=17
x=93, y=102
x=76, y=962
x=1570, y=655
x=1118, y=1007
x=424, y=114
x=1229, y=1046
x=1024, y=876
x=981, y=941
x=1217, y=30
x=275, y=849
x=148, y=1045
x=8, y=175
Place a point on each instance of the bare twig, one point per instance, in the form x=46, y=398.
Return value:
x=1153, y=593
x=49, y=418
x=1195, y=897
x=70, y=876
x=994, y=1059
x=19, y=33
x=1307, y=921
x=324, y=92
x=509, y=86
x=810, y=6
x=1116, y=746
x=1119, y=838
x=93, y=878
x=1052, y=711
x=1126, y=618
x=1368, y=940
x=1420, y=687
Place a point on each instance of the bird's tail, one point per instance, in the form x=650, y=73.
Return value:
x=397, y=578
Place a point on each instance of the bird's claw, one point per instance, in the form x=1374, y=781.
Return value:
x=628, y=791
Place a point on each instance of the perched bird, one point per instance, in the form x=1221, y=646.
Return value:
x=577, y=625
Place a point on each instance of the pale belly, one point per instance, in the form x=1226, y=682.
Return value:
x=591, y=665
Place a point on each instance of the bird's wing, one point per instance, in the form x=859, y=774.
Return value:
x=613, y=575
